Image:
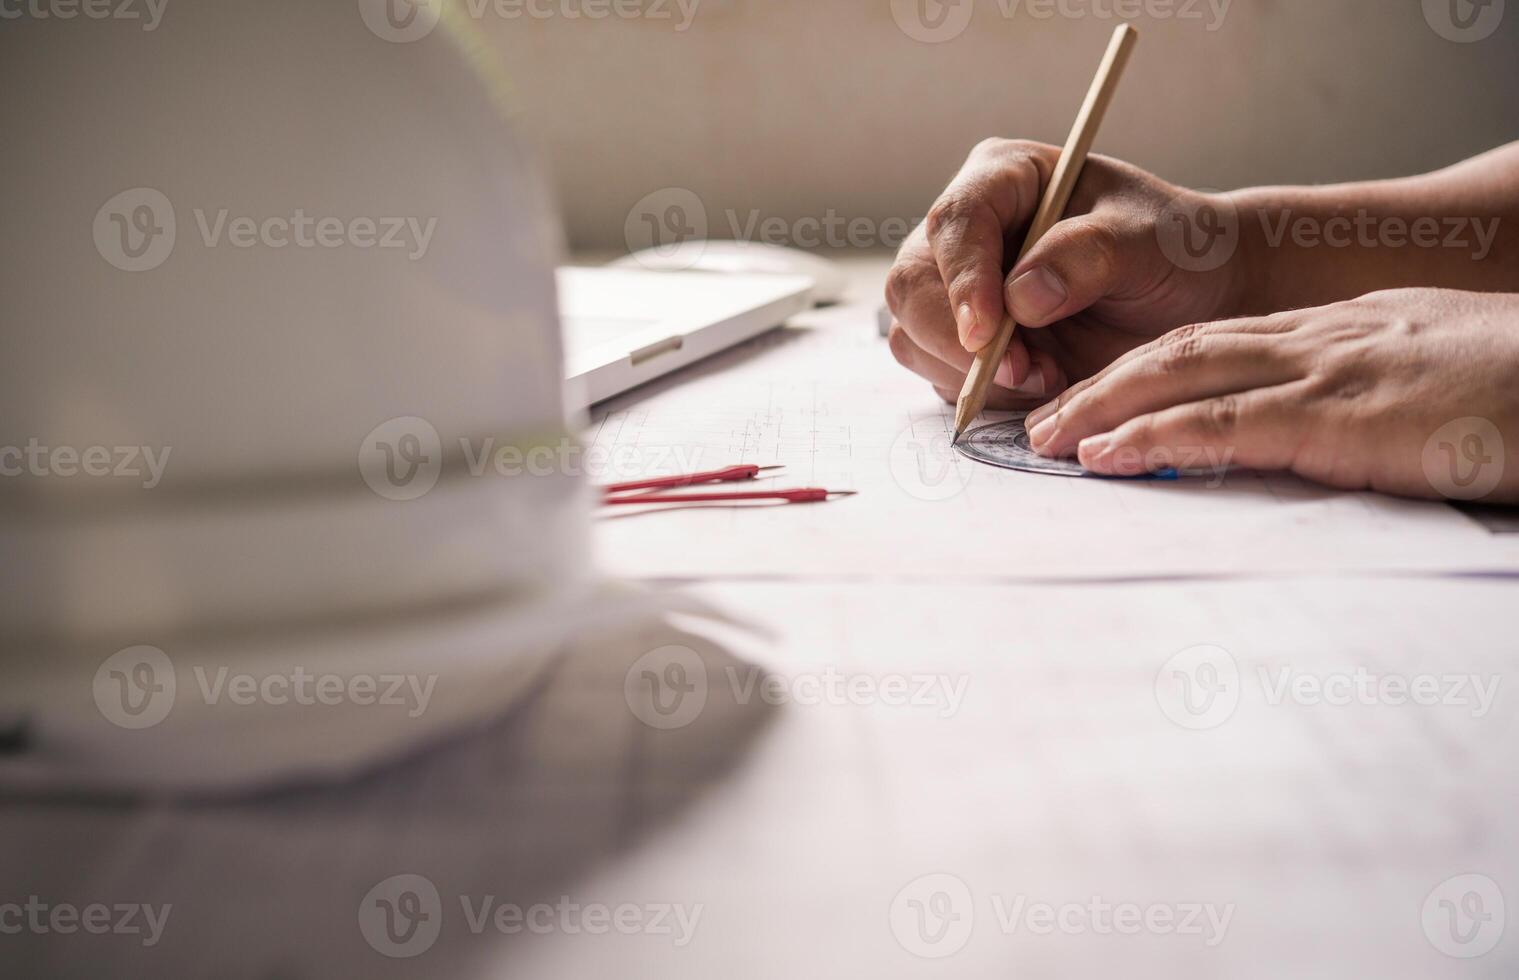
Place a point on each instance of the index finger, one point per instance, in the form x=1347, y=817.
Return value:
x=917, y=298
x=996, y=191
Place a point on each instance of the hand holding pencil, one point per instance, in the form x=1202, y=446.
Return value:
x=1088, y=289
x=1057, y=196
x=1170, y=321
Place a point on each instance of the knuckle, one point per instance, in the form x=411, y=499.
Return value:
x=1288, y=320
x=1072, y=411
x=1104, y=173
x=950, y=211
x=1181, y=335
x=965, y=283
x=901, y=345
x=902, y=282
x=1073, y=404
x=897, y=286
x=1185, y=354
x=1099, y=244
x=1341, y=380
x=1220, y=417
x=1025, y=176
x=991, y=148
x=1019, y=149
x=1138, y=435
x=1033, y=163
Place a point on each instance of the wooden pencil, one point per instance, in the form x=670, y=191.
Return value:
x=1057, y=196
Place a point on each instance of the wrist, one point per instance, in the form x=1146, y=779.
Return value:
x=1262, y=280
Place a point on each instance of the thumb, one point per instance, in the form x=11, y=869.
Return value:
x=1080, y=261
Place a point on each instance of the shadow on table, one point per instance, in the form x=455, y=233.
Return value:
x=304, y=883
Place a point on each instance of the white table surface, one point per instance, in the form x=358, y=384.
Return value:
x=808, y=831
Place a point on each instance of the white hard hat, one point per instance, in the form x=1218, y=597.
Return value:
x=280, y=342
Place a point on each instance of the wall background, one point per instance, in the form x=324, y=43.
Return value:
x=798, y=108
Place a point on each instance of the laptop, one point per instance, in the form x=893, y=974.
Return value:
x=627, y=327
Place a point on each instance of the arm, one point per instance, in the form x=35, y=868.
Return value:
x=1456, y=228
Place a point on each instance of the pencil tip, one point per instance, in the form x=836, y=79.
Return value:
x=963, y=419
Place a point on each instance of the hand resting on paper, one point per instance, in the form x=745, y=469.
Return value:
x=1410, y=392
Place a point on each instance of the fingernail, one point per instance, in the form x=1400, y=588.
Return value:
x=1033, y=384
x=1041, y=432
x=1095, y=451
x=1036, y=295
x=1042, y=412
x=970, y=328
